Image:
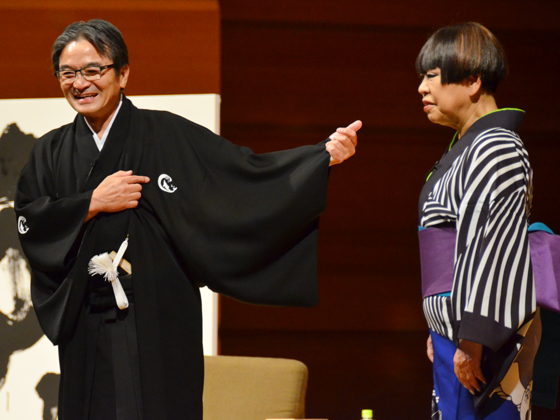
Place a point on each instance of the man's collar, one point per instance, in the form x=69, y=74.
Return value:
x=99, y=142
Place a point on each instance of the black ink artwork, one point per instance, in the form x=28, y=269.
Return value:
x=19, y=328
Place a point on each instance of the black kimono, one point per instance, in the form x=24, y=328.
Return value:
x=213, y=213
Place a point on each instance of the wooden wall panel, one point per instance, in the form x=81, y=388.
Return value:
x=287, y=83
x=539, y=15
x=174, y=46
x=295, y=70
x=328, y=74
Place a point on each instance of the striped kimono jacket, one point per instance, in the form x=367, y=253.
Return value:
x=485, y=194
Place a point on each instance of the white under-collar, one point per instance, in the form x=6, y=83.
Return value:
x=99, y=142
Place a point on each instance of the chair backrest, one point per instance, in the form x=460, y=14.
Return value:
x=253, y=388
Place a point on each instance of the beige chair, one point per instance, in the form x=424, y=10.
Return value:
x=253, y=388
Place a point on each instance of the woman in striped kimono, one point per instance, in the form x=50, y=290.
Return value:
x=477, y=278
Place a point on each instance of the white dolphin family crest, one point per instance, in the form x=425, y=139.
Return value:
x=22, y=226
x=165, y=183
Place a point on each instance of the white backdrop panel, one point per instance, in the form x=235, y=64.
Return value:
x=18, y=398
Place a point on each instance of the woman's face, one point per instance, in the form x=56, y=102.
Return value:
x=445, y=104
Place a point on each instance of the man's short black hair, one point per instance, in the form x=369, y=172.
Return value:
x=460, y=51
x=104, y=36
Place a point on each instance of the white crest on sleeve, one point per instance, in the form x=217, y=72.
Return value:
x=22, y=227
x=165, y=183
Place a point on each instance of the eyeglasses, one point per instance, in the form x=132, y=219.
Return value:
x=90, y=73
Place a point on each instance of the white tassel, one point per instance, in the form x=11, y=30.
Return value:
x=120, y=295
x=120, y=254
x=104, y=266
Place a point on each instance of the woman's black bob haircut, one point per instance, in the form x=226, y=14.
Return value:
x=464, y=50
x=104, y=36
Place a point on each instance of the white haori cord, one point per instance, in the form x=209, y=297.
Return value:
x=103, y=265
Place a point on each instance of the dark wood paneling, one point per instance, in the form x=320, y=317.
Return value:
x=348, y=371
x=174, y=46
x=297, y=74
x=295, y=70
x=537, y=15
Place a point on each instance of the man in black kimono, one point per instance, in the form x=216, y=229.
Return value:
x=193, y=208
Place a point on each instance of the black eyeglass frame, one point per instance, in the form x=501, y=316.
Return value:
x=81, y=71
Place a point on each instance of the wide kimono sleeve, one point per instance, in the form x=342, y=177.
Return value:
x=493, y=292
x=242, y=223
x=50, y=228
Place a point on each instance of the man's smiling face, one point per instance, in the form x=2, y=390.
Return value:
x=96, y=100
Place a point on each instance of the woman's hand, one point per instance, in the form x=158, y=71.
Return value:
x=467, y=365
x=430, y=349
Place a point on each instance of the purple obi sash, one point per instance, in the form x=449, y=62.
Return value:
x=437, y=256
